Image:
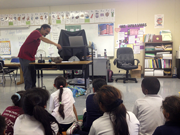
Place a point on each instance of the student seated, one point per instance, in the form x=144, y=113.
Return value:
x=92, y=107
x=171, y=111
x=2, y=125
x=62, y=104
x=12, y=112
x=115, y=120
x=148, y=109
x=36, y=120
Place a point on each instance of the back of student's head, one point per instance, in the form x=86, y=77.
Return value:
x=110, y=100
x=151, y=84
x=2, y=125
x=98, y=83
x=60, y=83
x=171, y=105
x=34, y=103
x=17, y=98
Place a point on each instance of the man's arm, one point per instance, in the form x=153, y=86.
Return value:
x=50, y=42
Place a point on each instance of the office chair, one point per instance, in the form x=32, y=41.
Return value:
x=125, y=60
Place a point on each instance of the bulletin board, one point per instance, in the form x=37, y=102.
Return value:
x=131, y=35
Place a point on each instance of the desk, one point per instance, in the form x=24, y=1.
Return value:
x=75, y=65
x=21, y=72
x=100, y=67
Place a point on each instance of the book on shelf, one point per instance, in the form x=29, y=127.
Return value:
x=158, y=72
x=163, y=53
x=158, y=63
x=149, y=55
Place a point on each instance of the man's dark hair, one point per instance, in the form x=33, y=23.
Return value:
x=44, y=26
x=98, y=83
x=2, y=125
x=151, y=84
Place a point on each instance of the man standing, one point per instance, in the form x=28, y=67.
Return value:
x=28, y=51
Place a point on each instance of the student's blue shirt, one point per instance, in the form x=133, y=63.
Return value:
x=93, y=112
x=170, y=128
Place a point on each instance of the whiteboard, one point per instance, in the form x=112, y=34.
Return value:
x=101, y=42
x=18, y=36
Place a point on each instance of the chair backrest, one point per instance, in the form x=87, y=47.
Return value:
x=1, y=64
x=126, y=55
x=15, y=60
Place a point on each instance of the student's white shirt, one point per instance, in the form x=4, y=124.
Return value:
x=28, y=125
x=148, y=112
x=103, y=125
x=68, y=101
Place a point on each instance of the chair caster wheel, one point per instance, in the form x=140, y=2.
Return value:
x=124, y=81
x=136, y=81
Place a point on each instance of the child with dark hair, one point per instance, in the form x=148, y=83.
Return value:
x=171, y=111
x=92, y=108
x=2, y=125
x=12, y=112
x=62, y=104
x=115, y=120
x=36, y=120
x=148, y=109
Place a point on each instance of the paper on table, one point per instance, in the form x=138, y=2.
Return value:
x=131, y=39
x=121, y=35
x=133, y=31
x=136, y=49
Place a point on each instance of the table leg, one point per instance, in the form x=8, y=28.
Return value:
x=21, y=77
x=38, y=78
x=41, y=79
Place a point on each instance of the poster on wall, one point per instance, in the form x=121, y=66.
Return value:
x=19, y=19
x=28, y=19
x=6, y=20
x=68, y=17
x=23, y=19
x=53, y=18
x=106, y=29
x=89, y=16
x=14, y=19
x=11, y=18
x=159, y=21
x=81, y=16
x=96, y=16
x=36, y=19
x=131, y=35
x=32, y=18
x=5, y=48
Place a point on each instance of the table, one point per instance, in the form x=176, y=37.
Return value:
x=21, y=72
x=75, y=65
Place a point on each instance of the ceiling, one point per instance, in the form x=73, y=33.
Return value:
x=9, y=4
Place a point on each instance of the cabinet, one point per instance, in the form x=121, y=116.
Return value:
x=158, y=61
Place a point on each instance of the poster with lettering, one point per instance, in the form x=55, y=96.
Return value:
x=28, y=19
x=106, y=29
x=15, y=19
x=113, y=15
x=23, y=19
x=19, y=19
x=101, y=15
x=72, y=17
x=32, y=18
x=11, y=18
x=5, y=47
x=6, y=20
x=53, y=17
x=107, y=16
x=36, y=19
x=46, y=17
x=97, y=16
x=63, y=17
x=68, y=17
x=81, y=16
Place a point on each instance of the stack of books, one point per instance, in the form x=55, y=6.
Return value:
x=149, y=72
x=152, y=55
x=166, y=35
x=167, y=56
x=168, y=47
x=149, y=48
x=148, y=37
x=158, y=72
x=159, y=48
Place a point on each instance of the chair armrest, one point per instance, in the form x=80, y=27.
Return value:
x=117, y=61
x=137, y=61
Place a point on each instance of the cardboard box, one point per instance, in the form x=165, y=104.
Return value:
x=136, y=73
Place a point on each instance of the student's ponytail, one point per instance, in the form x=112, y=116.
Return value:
x=42, y=116
x=34, y=103
x=109, y=99
x=60, y=83
x=61, y=106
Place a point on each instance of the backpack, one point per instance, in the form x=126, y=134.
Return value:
x=110, y=74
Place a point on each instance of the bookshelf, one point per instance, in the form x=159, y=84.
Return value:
x=156, y=64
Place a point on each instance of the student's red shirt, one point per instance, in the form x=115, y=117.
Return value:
x=29, y=48
x=11, y=113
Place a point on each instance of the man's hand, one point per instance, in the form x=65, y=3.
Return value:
x=59, y=46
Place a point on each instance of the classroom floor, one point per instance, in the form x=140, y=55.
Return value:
x=131, y=91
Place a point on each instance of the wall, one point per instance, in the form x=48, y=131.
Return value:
x=128, y=11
